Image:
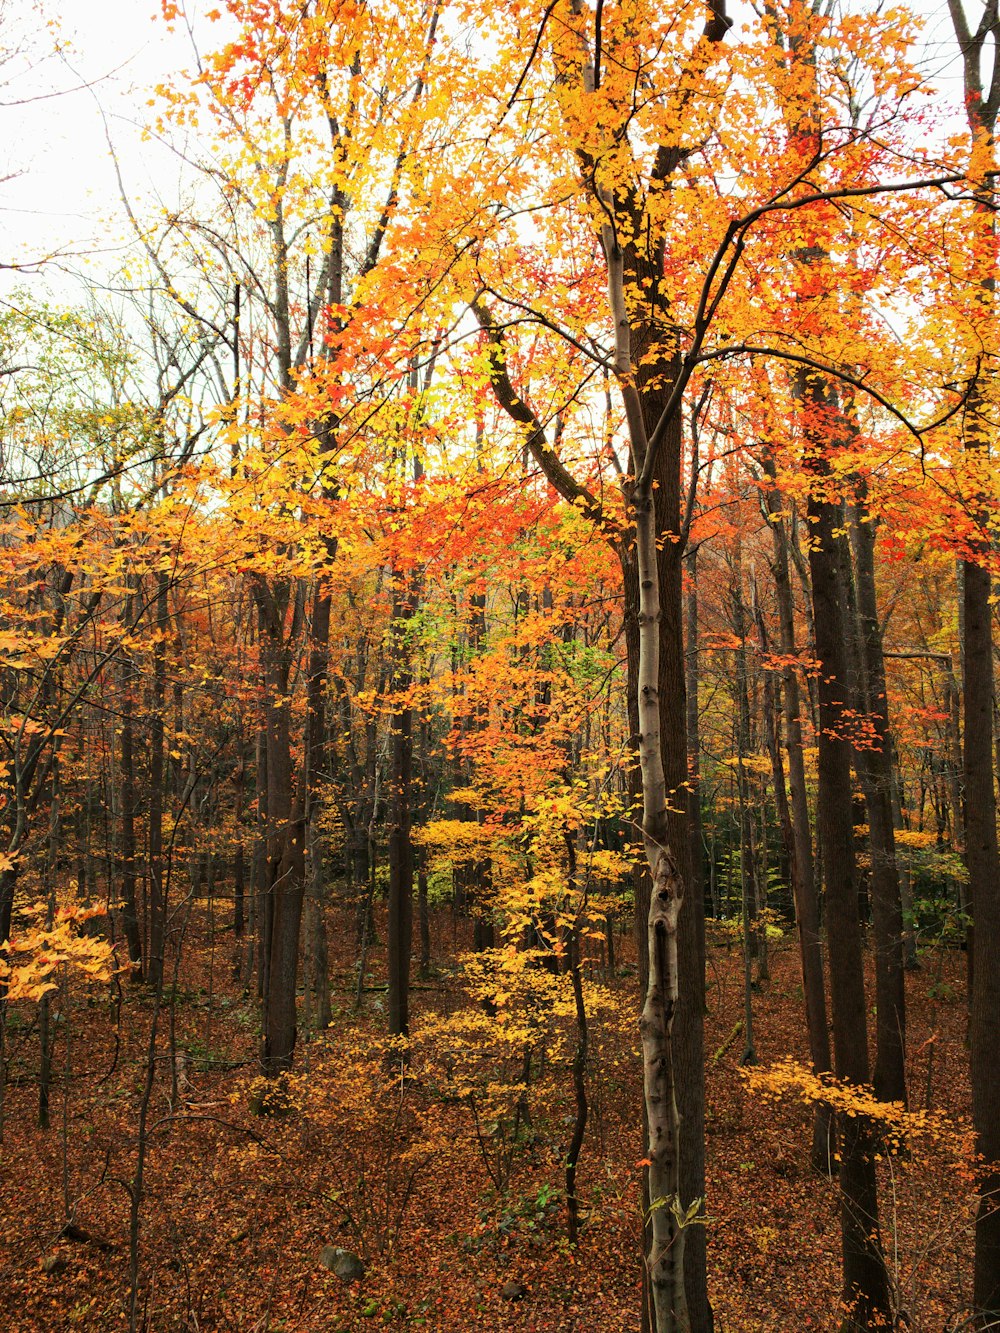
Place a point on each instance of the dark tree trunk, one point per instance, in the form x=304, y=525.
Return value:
x=796, y=828
x=130, y=916
x=866, y=1289
x=983, y=863
x=285, y=843
x=400, y=850
x=280, y=1030
x=317, y=947
x=696, y=836
x=157, y=902
x=741, y=725
x=874, y=766
x=689, y=1018
x=239, y=861
x=579, y=1086
x=316, y=764
x=981, y=853
x=262, y=896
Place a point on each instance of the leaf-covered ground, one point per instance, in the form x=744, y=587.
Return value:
x=459, y=1230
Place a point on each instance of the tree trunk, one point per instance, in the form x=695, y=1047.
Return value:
x=239, y=860
x=262, y=896
x=318, y=950
x=981, y=852
x=157, y=903
x=696, y=836
x=665, y=1259
x=866, y=1289
x=984, y=891
x=316, y=765
x=130, y=917
x=286, y=836
x=400, y=943
x=748, y=888
x=575, y=968
x=874, y=766
x=793, y=819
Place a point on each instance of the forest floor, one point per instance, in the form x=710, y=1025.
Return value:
x=459, y=1230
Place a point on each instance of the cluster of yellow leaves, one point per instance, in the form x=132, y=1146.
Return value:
x=30, y=961
x=752, y=763
x=919, y=839
x=456, y=840
x=896, y=1123
x=525, y=996
x=20, y=650
x=923, y=847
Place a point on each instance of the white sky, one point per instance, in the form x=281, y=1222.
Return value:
x=61, y=192
x=64, y=195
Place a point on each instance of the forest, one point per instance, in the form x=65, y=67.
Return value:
x=498, y=819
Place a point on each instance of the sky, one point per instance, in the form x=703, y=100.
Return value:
x=61, y=196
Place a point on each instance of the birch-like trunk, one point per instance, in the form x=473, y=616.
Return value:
x=665, y=1258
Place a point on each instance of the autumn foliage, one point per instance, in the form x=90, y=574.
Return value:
x=515, y=553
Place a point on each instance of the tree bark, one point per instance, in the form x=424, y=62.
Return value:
x=668, y=1235
x=285, y=842
x=400, y=943
x=983, y=863
x=157, y=903
x=318, y=950
x=874, y=766
x=691, y=668
x=866, y=1289
x=793, y=817
x=981, y=851
x=130, y=916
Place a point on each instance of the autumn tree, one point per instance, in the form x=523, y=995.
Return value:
x=328, y=108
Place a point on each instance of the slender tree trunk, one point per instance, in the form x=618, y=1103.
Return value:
x=981, y=851
x=286, y=837
x=157, y=778
x=262, y=896
x=318, y=950
x=748, y=870
x=793, y=818
x=316, y=765
x=400, y=944
x=668, y=1235
x=239, y=859
x=866, y=1289
x=130, y=917
x=747, y=915
x=575, y=968
x=874, y=766
x=46, y=1037
x=579, y=1089
x=693, y=740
